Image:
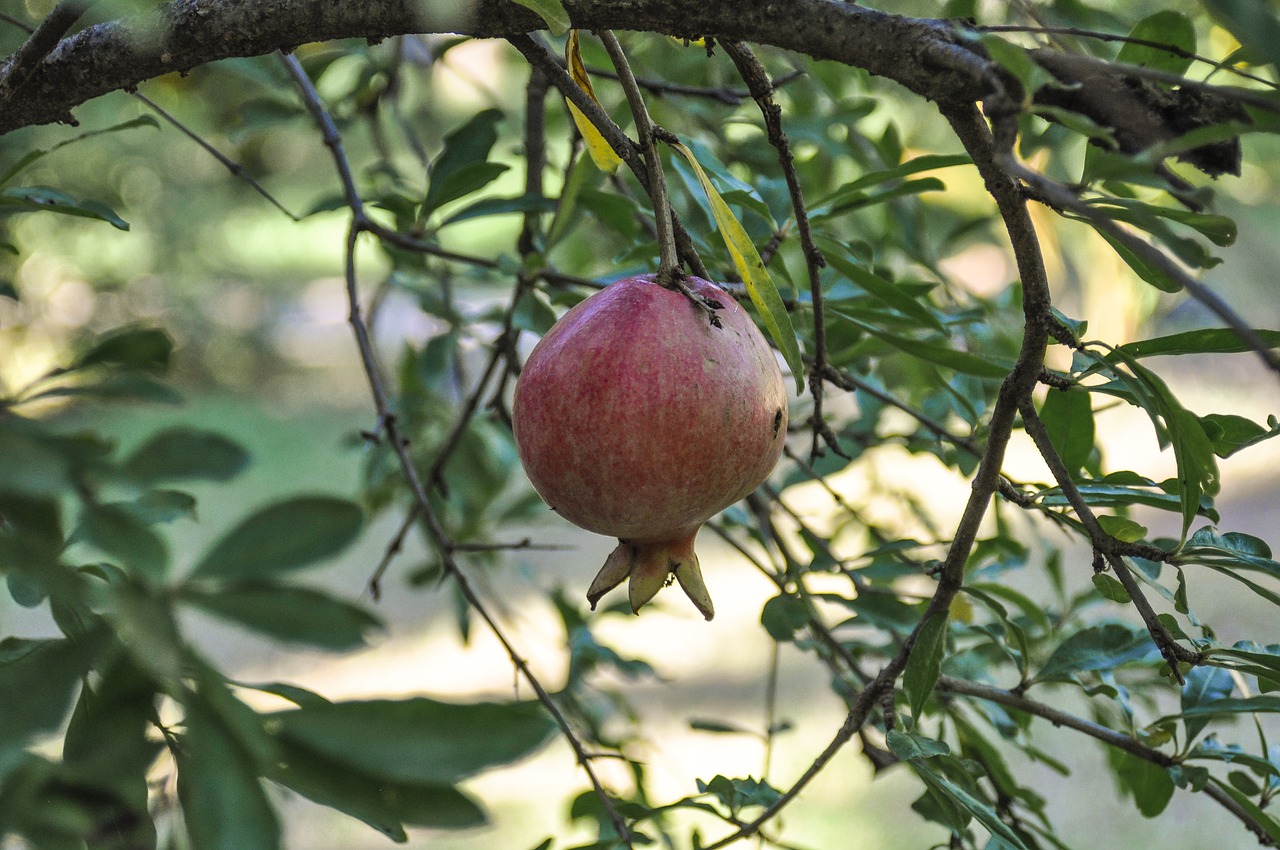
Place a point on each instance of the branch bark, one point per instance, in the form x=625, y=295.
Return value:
x=924, y=55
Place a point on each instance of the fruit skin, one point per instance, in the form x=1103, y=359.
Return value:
x=638, y=418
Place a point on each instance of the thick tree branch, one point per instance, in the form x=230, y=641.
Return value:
x=17, y=69
x=925, y=56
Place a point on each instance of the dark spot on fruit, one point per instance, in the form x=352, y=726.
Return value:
x=777, y=421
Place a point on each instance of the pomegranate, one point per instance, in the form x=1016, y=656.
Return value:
x=638, y=417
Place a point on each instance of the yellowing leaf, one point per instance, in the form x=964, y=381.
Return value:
x=602, y=154
x=746, y=259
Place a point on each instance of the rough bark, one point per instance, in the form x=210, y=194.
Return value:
x=923, y=55
x=929, y=57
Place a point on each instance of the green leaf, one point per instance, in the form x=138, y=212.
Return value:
x=1149, y=784
x=290, y=614
x=1167, y=27
x=760, y=286
x=1096, y=648
x=1192, y=450
x=1145, y=271
x=837, y=257
x=1111, y=588
x=38, y=680
x=292, y=693
x=1204, y=686
x=386, y=805
x=1122, y=528
x=286, y=536
x=184, y=453
x=124, y=537
x=118, y=386
x=960, y=361
x=502, y=206
x=462, y=166
x=1269, y=824
x=1212, y=750
x=1218, y=229
x=34, y=156
x=906, y=745
x=580, y=177
x=928, y=162
x=148, y=349
x=783, y=616
x=1068, y=417
x=1231, y=433
x=847, y=200
x=418, y=740
x=1265, y=704
x=1017, y=61
x=107, y=738
x=533, y=312
x=223, y=803
x=925, y=663
x=982, y=812
x=1252, y=22
x=736, y=794
x=551, y=11
x=145, y=626
x=17, y=199
x=1228, y=552
x=160, y=506
x=718, y=727
x=1206, y=341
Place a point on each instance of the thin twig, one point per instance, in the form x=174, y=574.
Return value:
x=757, y=79
x=389, y=425
x=668, y=262
x=237, y=170
x=847, y=381
x=538, y=56
x=1173, y=652
x=434, y=475
x=968, y=125
x=535, y=155
x=1056, y=195
x=1077, y=32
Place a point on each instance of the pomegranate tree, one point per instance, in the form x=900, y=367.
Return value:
x=640, y=416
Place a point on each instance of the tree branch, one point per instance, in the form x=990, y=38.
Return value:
x=1105, y=544
x=926, y=56
x=1022, y=379
x=17, y=69
x=387, y=421
x=761, y=88
x=1108, y=736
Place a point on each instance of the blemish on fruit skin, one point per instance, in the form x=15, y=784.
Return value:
x=777, y=421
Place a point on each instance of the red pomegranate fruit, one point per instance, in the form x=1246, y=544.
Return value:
x=638, y=417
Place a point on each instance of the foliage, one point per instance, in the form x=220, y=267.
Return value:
x=836, y=204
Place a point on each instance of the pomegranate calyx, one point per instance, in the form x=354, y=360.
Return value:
x=649, y=568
